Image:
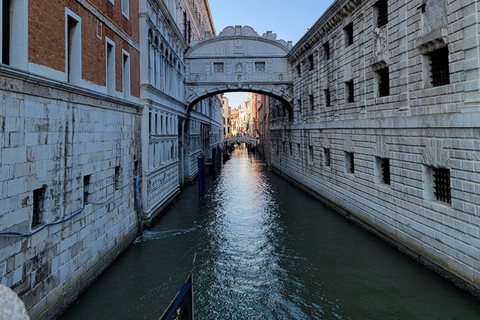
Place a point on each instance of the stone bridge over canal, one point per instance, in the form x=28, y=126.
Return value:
x=239, y=59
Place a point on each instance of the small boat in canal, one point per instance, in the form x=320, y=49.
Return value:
x=181, y=307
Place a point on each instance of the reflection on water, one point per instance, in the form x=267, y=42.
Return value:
x=265, y=250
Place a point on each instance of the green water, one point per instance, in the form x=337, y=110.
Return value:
x=266, y=250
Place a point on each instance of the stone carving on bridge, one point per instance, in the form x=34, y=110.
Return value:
x=248, y=62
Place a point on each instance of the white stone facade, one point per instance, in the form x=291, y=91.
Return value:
x=169, y=135
x=53, y=137
x=399, y=150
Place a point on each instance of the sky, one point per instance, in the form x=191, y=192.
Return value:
x=289, y=19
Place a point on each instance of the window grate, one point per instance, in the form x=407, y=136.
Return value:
x=326, y=50
x=383, y=82
x=349, y=162
x=439, y=67
x=218, y=67
x=312, y=101
x=442, y=184
x=311, y=61
x=260, y=67
x=326, y=154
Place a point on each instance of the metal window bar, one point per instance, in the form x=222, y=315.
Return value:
x=439, y=67
x=385, y=164
x=351, y=163
x=442, y=184
x=327, y=157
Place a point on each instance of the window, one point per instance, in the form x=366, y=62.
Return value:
x=110, y=57
x=312, y=101
x=383, y=170
x=299, y=70
x=350, y=94
x=383, y=82
x=126, y=75
x=73, y=48
x=116, y=178
x=311, y=61
x=260, y=67
x=86, y=188
x=6, y=27
x=441, y=179
x=218, y=67
x=14, y=33
x=349, y=162
x=126, y=8
x=310, y=153
x=381, y=9
x=291, y=148
x=328, y=101
x=326, y=157
x=38, y=206
x=439, y=70
x=326, y=50
x=348, y=30
x=299, y=102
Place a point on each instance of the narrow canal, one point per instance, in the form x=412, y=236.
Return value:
x=266, y=250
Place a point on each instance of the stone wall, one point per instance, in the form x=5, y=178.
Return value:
x=379, y=135
x=64, y=152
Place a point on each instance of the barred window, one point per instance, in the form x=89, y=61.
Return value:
x=38, y=206
x=348, y=34
x=312, y=101
x=384, y=166
x=218, y=67
x=382, y=12
x=439, y=70
x=350, y=94
x=441, y=179
x=383, y=82
x=260, y=67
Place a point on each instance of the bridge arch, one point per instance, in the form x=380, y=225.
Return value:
x=239, y=59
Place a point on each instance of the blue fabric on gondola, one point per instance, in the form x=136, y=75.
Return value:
x=178, y=300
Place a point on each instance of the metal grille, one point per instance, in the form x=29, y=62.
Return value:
x=218, y=67
x=382, y=12
x=385, y=165
x=259, y=66
x=439, y=67
x=383, y=82
x=442, y=184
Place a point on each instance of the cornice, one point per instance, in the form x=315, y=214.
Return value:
x=333, y=16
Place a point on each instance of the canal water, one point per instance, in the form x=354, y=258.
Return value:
x=266, y=250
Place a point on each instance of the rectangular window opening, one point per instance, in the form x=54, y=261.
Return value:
x=299, y=70
x=38, y=206
x=117, y=178
x=110, y=68
x=442, y=189
x=326, y=50
x=73, y=48
x=381, y=8
x=349, y=162
x=310, y=153
x=6, y=26
x=326, y=157
x=384, y=170
x=439, y=69
x=383, y=82
x=311, y=61
x=260, y=67
x=348, y=34
x=349, y=88
x=126, y=75
x=312, y=102
x=126, y=8
x=218, y=67
x=328, y=101
x=86, y=188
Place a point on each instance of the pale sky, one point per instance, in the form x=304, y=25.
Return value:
x=289, y=19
